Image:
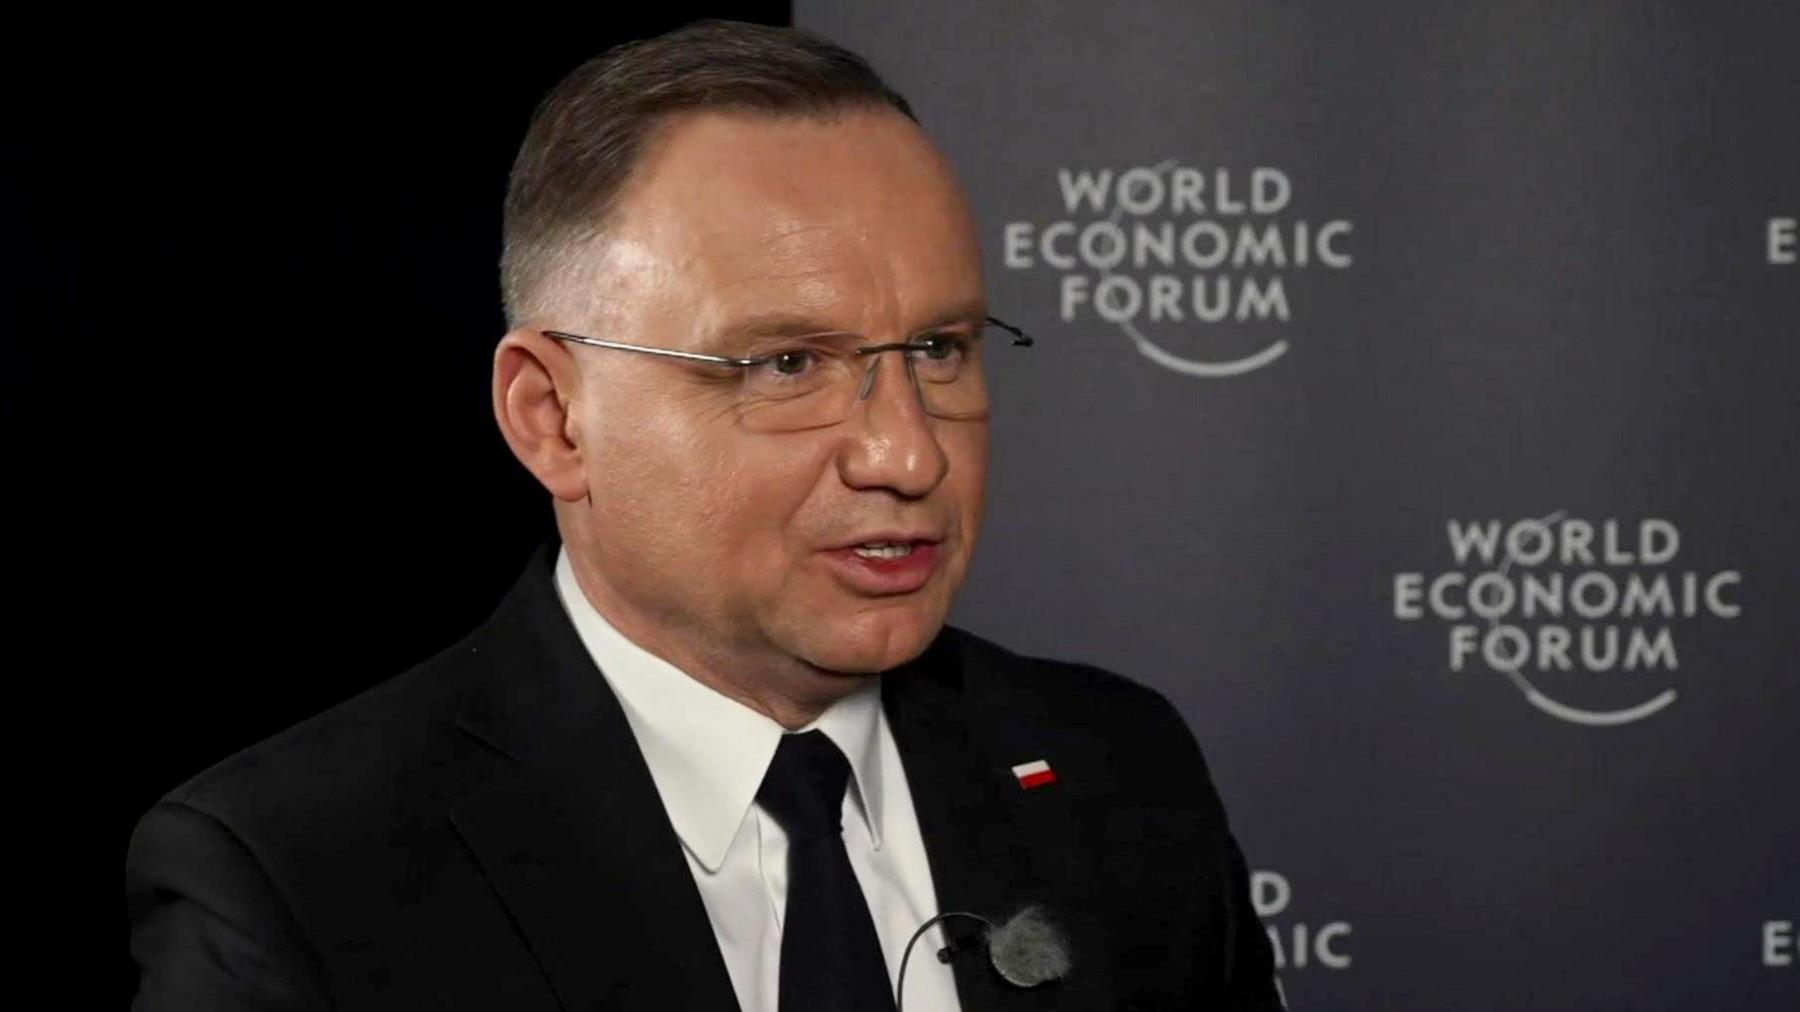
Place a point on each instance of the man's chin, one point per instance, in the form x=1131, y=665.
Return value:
x=871, y=644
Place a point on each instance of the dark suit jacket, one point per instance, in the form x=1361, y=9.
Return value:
x=481, y=832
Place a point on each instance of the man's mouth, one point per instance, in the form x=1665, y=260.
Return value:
x=884, y=549
x=891, y=562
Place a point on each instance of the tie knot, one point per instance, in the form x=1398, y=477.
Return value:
x=804, y=787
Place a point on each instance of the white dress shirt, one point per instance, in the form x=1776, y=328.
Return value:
x=707, y=753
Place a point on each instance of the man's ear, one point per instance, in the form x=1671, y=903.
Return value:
x=535, y=382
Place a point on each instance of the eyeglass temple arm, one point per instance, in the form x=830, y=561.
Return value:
x=692, y=356
x=1019, y=336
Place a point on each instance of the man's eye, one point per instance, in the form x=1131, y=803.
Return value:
x=792, y=363
x=944, y=346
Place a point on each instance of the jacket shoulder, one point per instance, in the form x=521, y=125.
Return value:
x=382, y=742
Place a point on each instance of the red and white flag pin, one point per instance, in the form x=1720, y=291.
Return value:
x=1034, y=774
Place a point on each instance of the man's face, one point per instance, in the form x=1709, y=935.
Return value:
x=736, y=543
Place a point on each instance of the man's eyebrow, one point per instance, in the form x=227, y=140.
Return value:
x=742, y=332
x=778, y=324
x=972, y=312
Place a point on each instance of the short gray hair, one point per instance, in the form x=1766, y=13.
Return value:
x=587, y=133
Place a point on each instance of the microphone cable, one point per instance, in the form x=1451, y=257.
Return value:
x=1026, y=950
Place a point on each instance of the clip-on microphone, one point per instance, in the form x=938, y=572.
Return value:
x=1026, y=950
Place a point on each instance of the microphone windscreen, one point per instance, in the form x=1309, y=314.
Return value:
x=1027, y=949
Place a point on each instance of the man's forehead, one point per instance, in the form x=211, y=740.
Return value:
x=820, y=218
x=731, y=286
x=773, y=248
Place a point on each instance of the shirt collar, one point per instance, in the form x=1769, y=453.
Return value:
x=708, y=752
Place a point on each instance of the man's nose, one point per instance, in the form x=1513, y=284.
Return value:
x=889, y=440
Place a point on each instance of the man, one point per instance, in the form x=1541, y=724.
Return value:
x=718, y=749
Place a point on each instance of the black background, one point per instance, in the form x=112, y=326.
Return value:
x=257, y=397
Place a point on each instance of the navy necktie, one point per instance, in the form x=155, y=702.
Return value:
x=830, y=955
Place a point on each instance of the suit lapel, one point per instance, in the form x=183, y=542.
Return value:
x=992, y=847
x=570, y=829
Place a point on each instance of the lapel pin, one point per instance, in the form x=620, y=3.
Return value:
x=1034, y=774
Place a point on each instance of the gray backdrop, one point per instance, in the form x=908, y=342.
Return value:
x=1544, y=329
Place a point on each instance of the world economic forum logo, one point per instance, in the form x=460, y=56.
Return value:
x=1580, y=615
x=1196, y=267
x=1297, y=943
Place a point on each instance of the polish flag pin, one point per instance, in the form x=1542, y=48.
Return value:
x=1034, y=774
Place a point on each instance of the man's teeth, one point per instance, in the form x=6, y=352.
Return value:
x=884, y=550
